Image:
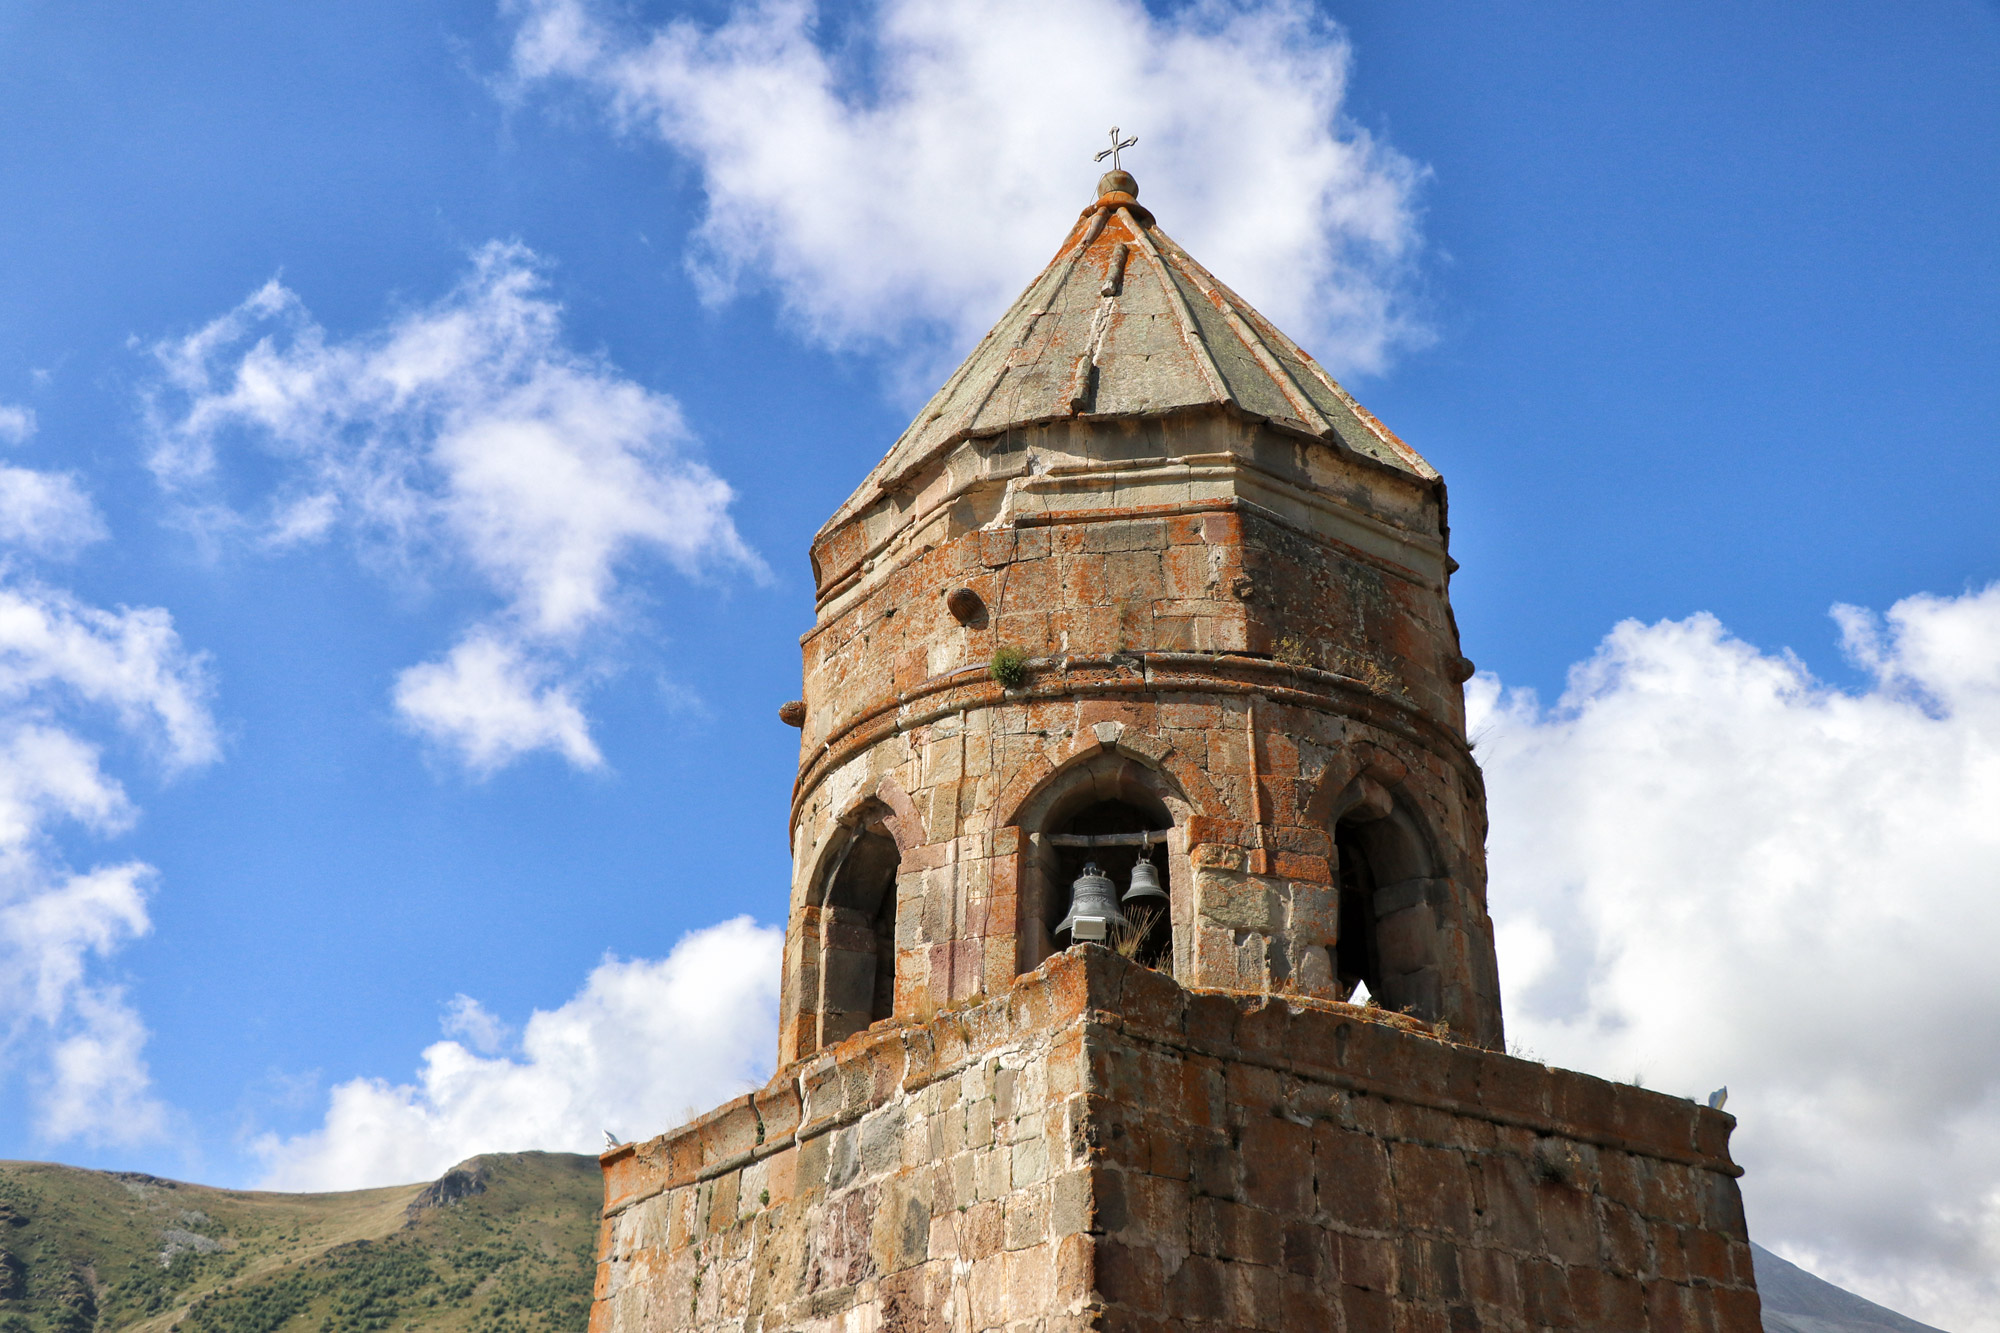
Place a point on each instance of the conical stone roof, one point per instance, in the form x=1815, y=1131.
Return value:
x=1124, y=323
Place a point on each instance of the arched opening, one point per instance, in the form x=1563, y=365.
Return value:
x=1355, y=961
x=1388, y=920
x=857, y=953
x=1116, y=836
x=1114, y=813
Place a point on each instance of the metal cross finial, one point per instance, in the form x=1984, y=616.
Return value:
x=1117, y=146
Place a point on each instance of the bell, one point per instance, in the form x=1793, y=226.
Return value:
x=1093, y=906
x=1145, y=888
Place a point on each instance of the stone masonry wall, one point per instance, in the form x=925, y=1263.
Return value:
x=921, y=1176
x=1284, y=1166
x=1100, y=1148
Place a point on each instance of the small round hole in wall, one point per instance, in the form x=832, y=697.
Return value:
x=965, y=605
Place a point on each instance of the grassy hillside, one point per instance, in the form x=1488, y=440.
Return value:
x=499, y=1244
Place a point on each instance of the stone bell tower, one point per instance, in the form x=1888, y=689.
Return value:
x=1143, y=595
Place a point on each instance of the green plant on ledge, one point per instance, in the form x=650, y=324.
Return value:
x=1294, y=651
x=1009, y=666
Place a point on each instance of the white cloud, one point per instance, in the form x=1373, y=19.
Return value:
x=61, y=926
x=49, y=774
x=482, y=1029
x=464, y=433
x=16, y=423
x=487, y=701
x=897, y=183
x=99, y=1087
x=129, y=662
x=41, y=513
x=641, y=1044
x=1710, y=868
x=66, y=669
x=46, y=513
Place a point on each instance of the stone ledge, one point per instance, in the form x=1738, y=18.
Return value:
x=1164, y=673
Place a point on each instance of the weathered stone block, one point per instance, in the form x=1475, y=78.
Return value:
x=1364, y=1310
x=1433, y=1189
x=1274, y=1150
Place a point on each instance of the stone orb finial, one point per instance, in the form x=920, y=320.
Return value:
x=1117, y=182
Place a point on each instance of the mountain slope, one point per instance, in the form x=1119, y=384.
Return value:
x=501, y=1242
x=1797, y=1302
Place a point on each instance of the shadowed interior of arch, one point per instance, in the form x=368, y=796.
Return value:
x=1388, y=922
x=1355, y=955
x=1109, y=795
x=1151, y=938
x=858, y=932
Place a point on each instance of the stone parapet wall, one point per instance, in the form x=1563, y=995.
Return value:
x=1284, y=1166
x=1099, y=1148
x=918, y=1176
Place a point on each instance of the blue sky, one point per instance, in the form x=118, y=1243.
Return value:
x=1697, y=308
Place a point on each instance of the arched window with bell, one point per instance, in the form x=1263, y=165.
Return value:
x=1103, y=862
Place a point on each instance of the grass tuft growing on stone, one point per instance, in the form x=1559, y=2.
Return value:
x=1009, y=666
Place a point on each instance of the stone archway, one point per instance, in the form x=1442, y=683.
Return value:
x=1112, y=807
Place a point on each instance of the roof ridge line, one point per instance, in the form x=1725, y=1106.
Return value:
x=1253, y=338
x=1373, y=423
x=965, y=366
x=1190, y=331
x=1270, y=332
x=1053, y=278
x=1050, y=278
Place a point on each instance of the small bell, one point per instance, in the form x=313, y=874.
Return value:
x=1145, y=890
x=1093, y=906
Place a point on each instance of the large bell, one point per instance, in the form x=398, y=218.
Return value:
x=1093, y=906
x=1145, y=890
